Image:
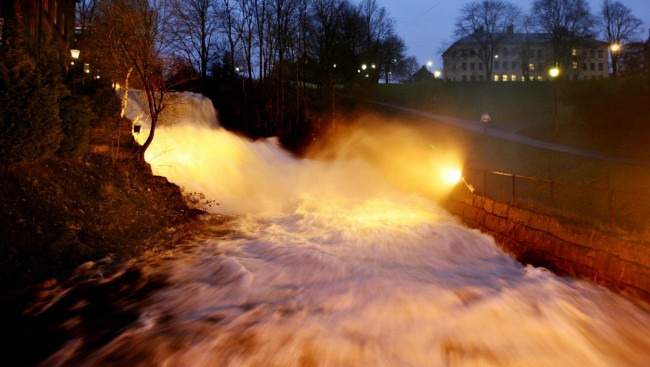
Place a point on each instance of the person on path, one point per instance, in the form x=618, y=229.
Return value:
x=485, y=119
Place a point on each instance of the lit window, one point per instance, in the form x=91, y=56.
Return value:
x=513, y=77
x=496, y=78
x=504, y=77
x=531, y=67
x=574, y=52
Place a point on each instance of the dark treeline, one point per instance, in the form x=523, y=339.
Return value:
x=277, y=62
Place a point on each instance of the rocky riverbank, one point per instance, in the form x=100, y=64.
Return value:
x=58, y=214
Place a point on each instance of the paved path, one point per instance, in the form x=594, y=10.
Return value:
x=478, y=127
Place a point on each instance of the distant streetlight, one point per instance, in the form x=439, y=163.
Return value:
x=437, y=73
x=429, y=65
x=554, y=73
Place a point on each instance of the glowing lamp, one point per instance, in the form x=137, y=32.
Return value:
x=137, y=127
x=615, y=47
x=452, y=175
x=554, y=72
x=75, y=53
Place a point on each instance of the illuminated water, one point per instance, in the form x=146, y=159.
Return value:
x=336, y=263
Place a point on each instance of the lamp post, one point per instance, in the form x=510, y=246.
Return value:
x=614, y=49
x=554, y=73
x=75, y=56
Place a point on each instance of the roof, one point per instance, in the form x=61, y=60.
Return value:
x=530, y=38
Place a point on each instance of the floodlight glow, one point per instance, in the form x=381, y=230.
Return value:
x=451, y=175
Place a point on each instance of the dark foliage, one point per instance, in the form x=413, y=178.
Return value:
x=30, y=126
x=76, y=117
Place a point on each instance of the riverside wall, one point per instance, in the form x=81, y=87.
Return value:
x=618, y=261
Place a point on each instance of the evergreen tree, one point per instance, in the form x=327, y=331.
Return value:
x=30, y=125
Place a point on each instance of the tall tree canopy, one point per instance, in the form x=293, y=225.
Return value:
x=567, y=21
x=618, y=25
x=486, y=22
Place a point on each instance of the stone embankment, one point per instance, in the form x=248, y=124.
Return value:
x=617, y=261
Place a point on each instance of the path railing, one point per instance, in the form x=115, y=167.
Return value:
x=589, y=203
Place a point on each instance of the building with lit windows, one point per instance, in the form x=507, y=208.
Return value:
x=523, y=57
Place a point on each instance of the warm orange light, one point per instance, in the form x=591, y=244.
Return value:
x=554, y=72
x=75, y=53
x=615, y=47
x=451, y=175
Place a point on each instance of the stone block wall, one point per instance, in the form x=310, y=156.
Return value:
x=616, y=260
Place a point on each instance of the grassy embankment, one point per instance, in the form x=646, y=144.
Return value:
x=609, y=116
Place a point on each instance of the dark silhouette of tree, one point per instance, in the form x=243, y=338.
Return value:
x=486, y=23
x=618, y=26
x=195, y=28
x=567, y=21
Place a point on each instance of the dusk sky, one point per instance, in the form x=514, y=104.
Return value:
x=427, y=26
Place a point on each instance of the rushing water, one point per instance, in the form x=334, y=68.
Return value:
x=334, y=262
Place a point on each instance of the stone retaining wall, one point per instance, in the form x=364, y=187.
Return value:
x=615, y=260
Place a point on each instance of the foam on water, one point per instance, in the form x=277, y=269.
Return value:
x=333, y=263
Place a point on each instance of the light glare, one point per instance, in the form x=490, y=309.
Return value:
x=451, y=175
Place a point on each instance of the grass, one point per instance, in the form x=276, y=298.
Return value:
x=593, y=191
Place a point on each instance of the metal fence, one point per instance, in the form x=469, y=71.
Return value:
x=586, y=203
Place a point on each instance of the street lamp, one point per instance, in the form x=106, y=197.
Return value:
x=554, y=73
x=74, y=53
x=614, y=49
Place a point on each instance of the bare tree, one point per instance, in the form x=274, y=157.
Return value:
x=486, y=22
x=392, y=51
x=85, y=14
x=377, y=28
x=618, y=26
x=567, y=21
x=135, y=33
x=229, y=20
x=195, y=26
x=407, y=67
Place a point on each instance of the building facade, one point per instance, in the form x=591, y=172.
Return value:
x=523, y=57
x=44, y=21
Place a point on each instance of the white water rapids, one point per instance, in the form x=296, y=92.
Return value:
x=339, y=263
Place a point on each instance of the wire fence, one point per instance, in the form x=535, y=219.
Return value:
x=586, y=203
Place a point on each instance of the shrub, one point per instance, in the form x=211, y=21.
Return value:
x=30, y=126
x=76, y=117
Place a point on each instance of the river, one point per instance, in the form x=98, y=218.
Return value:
x=344, y=261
